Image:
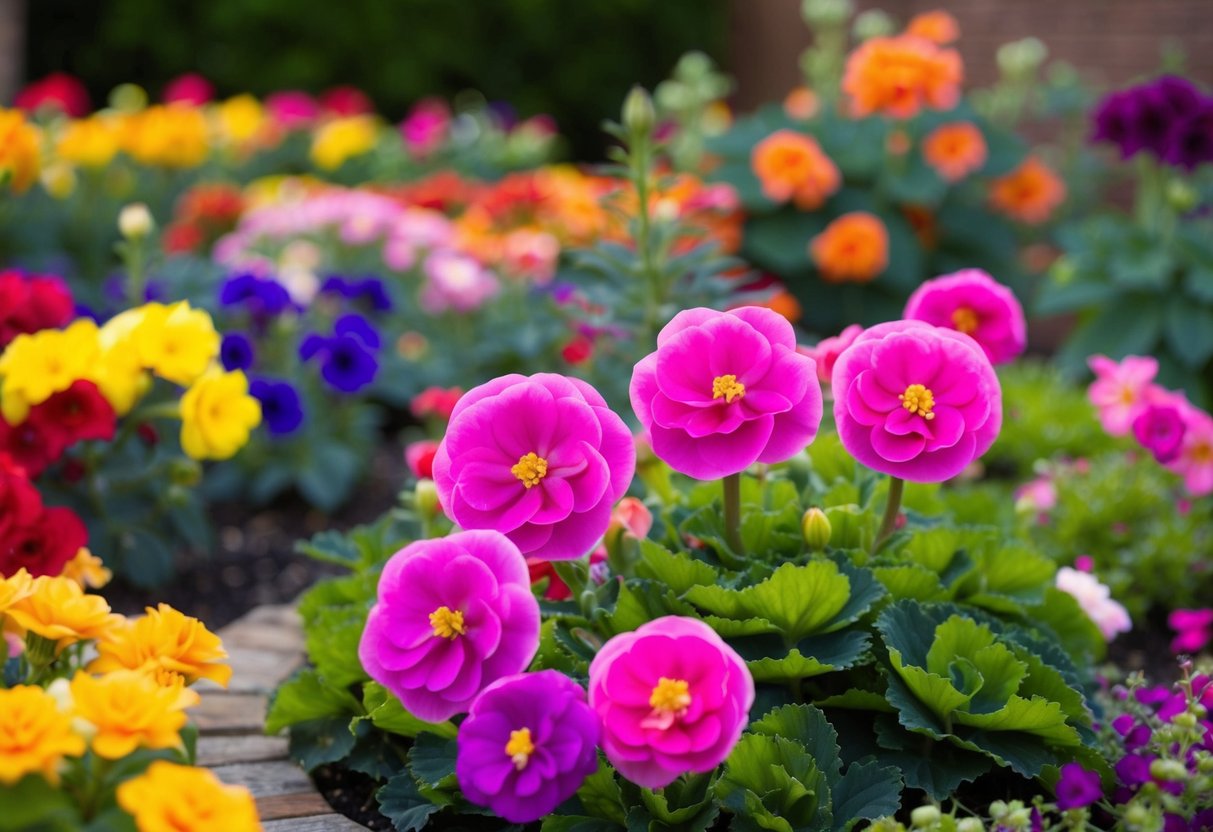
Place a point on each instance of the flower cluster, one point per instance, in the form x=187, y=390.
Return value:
x=1177, y=434
x=37, y=538
x=899, y=76
x=31, y=302
x=1169, y=117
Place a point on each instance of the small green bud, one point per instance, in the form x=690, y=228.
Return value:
x=425, y=498
x=924, y=817
x=1168, y=770
x=1181, y=196
x=970, y=825
x=185, y=472
x=816, y=528
x=128, y=97
x=998, y=809
x=1185, y=719
x=1137, y=815
x=638, y=113
x=1204, y=763
x=1021, y=58
x=1063, y=271
x=873, y=23
x=826, y=12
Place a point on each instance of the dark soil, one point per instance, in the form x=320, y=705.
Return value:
x=351, y=793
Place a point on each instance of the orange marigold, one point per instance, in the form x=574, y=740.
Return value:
x=791, y=165
x=59, y=610
x=20, y=157
x=801, y=103
x=172, y=798
x=164, y=641
x=936, y=26
x=854, y=248
x=129, y=709
x=955, y=150
x=35, y=735
x=1030, y=193
x=898, y=76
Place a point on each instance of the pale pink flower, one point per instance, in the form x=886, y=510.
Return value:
x=455, y=282
x=1096, y=601
x=1121, y=390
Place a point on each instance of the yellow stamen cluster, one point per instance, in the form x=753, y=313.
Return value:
x=530, y=469
x=727, y=387
x=919, y=400
x=670, y=695
x=520, y=747
x=965, y=320
x=447, y=623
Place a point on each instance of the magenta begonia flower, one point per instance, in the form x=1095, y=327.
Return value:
x=916, y=401
x=527, y=745
x=827, y=350
x=972, y=302
x=725, y=390
x=541, y=459
x=454, y=614
x=1121, y=390
x=1194, y=461
x=1159, y=428
x=673, y=698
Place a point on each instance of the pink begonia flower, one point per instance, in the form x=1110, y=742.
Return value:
x=916, y=401
x=454, y=614
x=673, y=698
x=1160, y=428
x=425, y=127
x=633, y=517
x=541, y=459
x=828, y=349
x=1038, y=495
x=725, y=390
x=1096, y=601
x=292, y=109
x=455, y=282
x=1120, y=391
x=1193, y=628
x=190, y=88
x=531, y=255
x=972, y=302
x=1194, y=461
x=1084, y=563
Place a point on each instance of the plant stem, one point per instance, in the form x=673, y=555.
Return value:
x=732, y=513
x=891, y=510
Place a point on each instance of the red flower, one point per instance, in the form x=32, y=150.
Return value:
x=420, y=458
x=28, y=446
x=20, y=502
x=74, y=415
x=346, y=101
x=578, y=351
x=29, y=303
x=44, y=547
x=435, y=401
x=190, y=88
x=58, y=90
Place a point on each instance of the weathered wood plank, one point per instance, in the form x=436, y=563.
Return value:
x=322, y=823
x=299, y=805
x=266, y=779
x=230, y=713
x=241, y=748
x=254, y=671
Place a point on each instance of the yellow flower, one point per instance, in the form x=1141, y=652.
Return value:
x=37, y=366
x=178, y=343
x=88, y=142
x=126, y=710
x=341, y=139
x=87, y=570
x=120, y=376
x=168, y=135
x=20, y=157
x=35, y=735
x=240, y=119
x=14, y=588
x=58, y=609
x=217, y=414
x=172, y=798
x=164, y=639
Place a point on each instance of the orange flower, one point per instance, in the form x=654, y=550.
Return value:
x=128, y=709
x=955, y=150
x=35, y=735
x=164, y=642
x=58, y=609
x=936, y=26
x=854, y=247
x=898, y=76
x=87, y=570
x=791, y=165
x=172, y=798
x=19, y=154
x=1029, y=193
x=801, y=103
x=785, y=303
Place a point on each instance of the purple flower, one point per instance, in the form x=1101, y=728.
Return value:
x=1189, y=144
x=527, y=745
x=1160, y=430
x=724, y=390
x=236, y=352
x=358, y=327
x=1158, y=117
x=541, y=459
x=454, y=614
x=1133, y=770
x=1077, y=787
x=1136, y=735
x=348, y=366
x=262, y=297
x=281, y=408
x=1114, y=122
x=369, y=289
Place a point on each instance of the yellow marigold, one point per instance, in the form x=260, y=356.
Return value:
x=164, y=639
x=176, y=342
x=898, y=76
x=240, y=120
x=167, y=135
x=89, y=142
x=58, y=609
x=791, y=165
x=936, y=26
x=35, y=735
x=87, y=570
x=955, y=150
x=36, y=366
x=173, y=798
x=20, y=157
x=1030, y=193
x=854, y=248
x=126, y=710
x=217, y=415
x=342, y=139
x=15, y=587
x=121, y=377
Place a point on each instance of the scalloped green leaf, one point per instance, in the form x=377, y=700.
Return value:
x=910, y=581
x=869, y=790
x=678, y=571
x=387, y=714
x=1037, y=716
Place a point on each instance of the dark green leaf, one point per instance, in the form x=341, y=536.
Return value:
x=402, y=803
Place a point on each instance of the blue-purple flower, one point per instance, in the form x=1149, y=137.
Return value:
x=281, y=407
x=262, y=297
x=348, y=359
x=370, y=290
x=236, y=352
x=1077, y=787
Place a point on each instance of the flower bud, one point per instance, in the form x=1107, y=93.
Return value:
x=1137, y=815
x=925, y=816
x=1184, y=719
x=1181, y=196
x=425, y=498
x=816, y=528
x=135, y=221
x=873, y=23
x=1021, y=58
x=185, y=472
x=825, y=12
x=1168, y=770
x=970, y=825
x=638, y=113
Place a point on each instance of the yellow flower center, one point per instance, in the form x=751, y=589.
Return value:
x=520, y=748
x=670, y=696
x=727, y=387
x=919, y=400
x=965, y=320
x=1202, y=453
x=530, y=469
x=447, y=623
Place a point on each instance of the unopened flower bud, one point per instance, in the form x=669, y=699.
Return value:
x=924, y=817
x=1137, y=815
x=185, y=472
x=638, y=113
x=825, y=12
x=1168, y=770
x=1181, y=196
x=816, y=528
x=135, y=221
x=970, y=825
x=1021, y=58
x=425, y=498
x=1184, y=719
x=873, y=23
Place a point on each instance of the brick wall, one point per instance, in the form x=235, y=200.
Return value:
x=1110, y=41
x=12, y=47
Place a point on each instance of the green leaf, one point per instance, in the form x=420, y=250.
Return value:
x=599, y=795
x=813, y=657
x=432, y=761
x=34, y=804
x=857, y=699
x=319, y=741
x=332, y=644
x=936, y=768
x=578, y=823
x=331, y=547
x=305, y=696
x=910, y=581
x=867, y=791
x=387, y=714
x=1144, y=266
x=147, y=558
x=759, y=771
x=787, y=668
x=1024, y=754
x=808, y=726
x=641, y=601
x=678, y=571
x=929, y=690
x=1036, y=716
x=402, y=803
x=1001, y=673
x=957, y=636
x=1189, y=331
